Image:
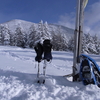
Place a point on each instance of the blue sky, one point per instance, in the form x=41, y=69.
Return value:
x=35, y=10
x=53, y=11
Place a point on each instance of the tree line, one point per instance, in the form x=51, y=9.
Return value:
x=90, y=44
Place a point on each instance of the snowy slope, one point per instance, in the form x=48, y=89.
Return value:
x=65, y=30
x=25, y=25
x=18, y=72
x=13, y=24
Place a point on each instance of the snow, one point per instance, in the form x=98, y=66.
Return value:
x=13, y=24
x=18, y=72
x=25, y=27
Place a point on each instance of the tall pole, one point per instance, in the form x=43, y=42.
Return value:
x=76, y=34
x=81, y=17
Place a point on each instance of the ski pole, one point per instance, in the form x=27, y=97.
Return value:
x=38, y=71
x=44, y=68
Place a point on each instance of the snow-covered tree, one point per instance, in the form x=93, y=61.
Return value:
x=59, y=40
x=32, y=37
x=19, y=37
x=4, y=35
x=97, y=43
x=71, y=44
x=43, y=31
x=40, y=30
x=47, y=32
x=90, y=44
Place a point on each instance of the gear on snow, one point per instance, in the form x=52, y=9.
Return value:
x=40, y=49
x=47, y=50
x=89, y=71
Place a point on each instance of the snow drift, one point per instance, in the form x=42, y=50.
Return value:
x=18, y=72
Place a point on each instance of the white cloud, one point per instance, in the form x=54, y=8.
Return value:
x=67, y=20
x=91, y=19
x=93, y=14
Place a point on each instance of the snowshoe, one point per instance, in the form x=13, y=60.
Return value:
x=89, y=71
x=86, y=73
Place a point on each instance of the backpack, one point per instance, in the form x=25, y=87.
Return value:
x=39, y=51
x=47, y=50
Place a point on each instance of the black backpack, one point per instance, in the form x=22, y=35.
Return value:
x=47, y=46
x=39, y=51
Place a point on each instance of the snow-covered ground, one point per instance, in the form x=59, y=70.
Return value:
x=18, y=72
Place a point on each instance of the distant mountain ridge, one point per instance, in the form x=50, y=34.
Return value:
x=25, y=34
x=25, y=25
x=13, y=24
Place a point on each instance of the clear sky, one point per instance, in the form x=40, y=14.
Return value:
x=53, y=11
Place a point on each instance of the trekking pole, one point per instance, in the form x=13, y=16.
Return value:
x=44, y=68
x=38, y=71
